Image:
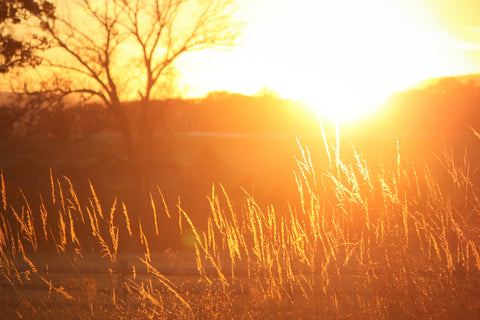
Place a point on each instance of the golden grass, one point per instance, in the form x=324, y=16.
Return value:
x=400, y=241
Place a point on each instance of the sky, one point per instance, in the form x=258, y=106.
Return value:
x=343, y=57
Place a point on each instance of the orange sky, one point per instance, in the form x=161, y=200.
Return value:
x=341, y=57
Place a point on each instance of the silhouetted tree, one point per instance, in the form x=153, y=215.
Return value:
x=18, y=49
x=119, y=50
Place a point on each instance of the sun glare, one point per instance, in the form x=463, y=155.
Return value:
x=349, y=58
x=341, y=58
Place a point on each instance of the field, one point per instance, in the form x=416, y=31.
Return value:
x=328, y=228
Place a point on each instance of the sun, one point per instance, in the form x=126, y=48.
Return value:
x=342, y=59
x=344, y=106
x=350, y=56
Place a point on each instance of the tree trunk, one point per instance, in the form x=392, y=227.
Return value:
x=137, y=191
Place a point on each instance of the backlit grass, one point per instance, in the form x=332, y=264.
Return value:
x=396, y=240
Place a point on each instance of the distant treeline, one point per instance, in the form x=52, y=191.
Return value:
x=449, y=106
x=217, y=112
x=230, y=112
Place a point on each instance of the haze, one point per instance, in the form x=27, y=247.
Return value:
x=342, y=58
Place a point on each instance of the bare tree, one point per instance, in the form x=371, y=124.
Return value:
x=119, y=50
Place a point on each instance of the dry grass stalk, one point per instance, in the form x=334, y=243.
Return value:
x=390, y=242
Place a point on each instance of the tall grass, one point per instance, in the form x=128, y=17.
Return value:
x=399, y=240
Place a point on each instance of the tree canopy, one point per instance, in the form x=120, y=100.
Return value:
x=17, y=50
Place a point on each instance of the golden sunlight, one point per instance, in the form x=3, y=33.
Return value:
x=341, y=58
x=147, y=174
x=345, y=58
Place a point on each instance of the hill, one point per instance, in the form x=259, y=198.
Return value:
x=446, y=106
x=464, y=78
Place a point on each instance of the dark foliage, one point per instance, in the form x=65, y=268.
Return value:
x=15, y=50
x=448, y=107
